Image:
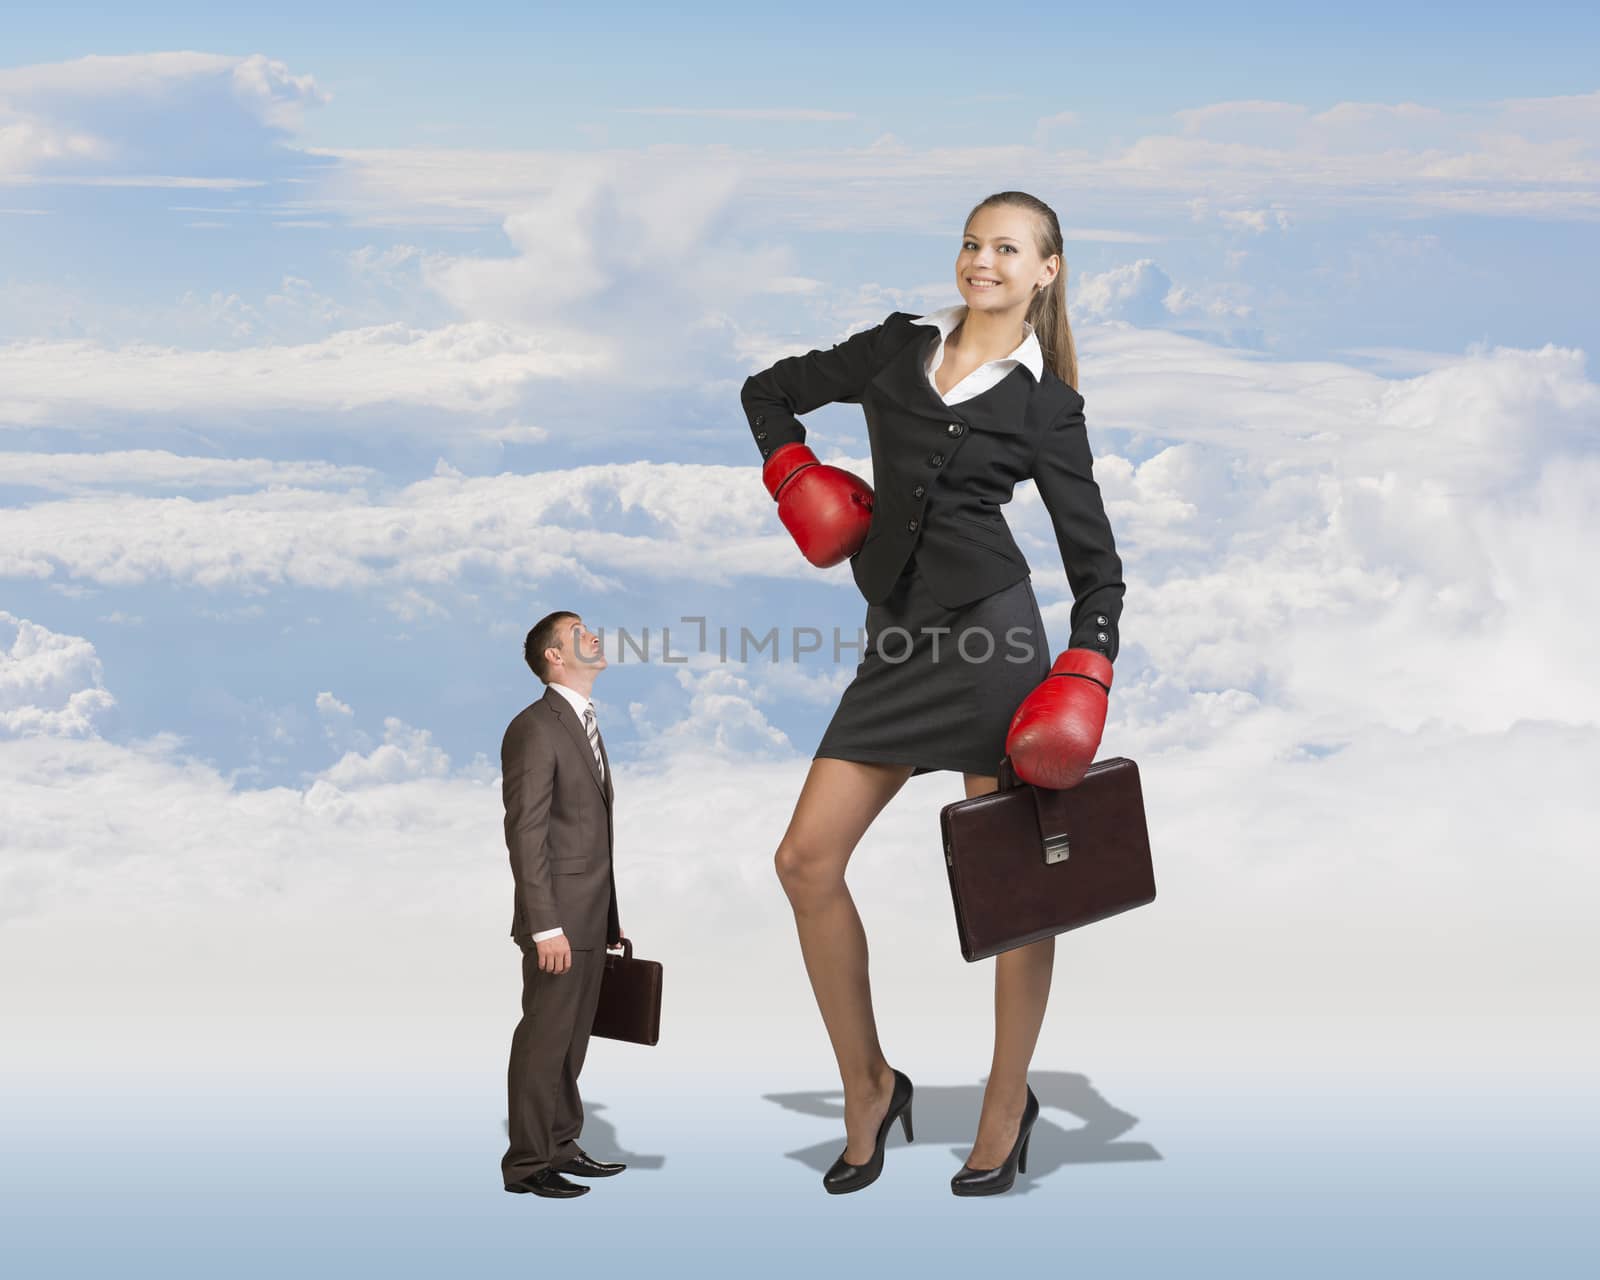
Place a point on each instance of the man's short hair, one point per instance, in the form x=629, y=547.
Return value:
x=546, y=634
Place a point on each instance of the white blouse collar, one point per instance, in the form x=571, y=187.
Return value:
x=1028, y=352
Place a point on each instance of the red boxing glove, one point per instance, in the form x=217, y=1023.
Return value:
x=1056, y=730
x=825, y=509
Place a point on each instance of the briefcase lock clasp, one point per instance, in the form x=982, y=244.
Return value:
x=1056, y=849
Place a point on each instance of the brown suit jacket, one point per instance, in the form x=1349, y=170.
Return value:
x=559, y=826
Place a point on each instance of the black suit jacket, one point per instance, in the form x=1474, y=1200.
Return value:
x=941, y=473
x=558, y=826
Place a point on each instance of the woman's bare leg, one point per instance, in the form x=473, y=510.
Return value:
x=1021, y=991
x=837, y=804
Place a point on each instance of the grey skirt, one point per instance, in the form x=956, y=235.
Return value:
x=936, y=688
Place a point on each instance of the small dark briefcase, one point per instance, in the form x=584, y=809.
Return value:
x=1027, y=862
x=630, y=998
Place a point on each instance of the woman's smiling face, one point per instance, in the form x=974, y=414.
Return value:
x=999, y=262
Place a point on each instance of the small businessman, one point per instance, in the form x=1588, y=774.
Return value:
x=556, y=784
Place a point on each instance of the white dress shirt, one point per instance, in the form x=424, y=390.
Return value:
x=580, y=704
x=1028, y=353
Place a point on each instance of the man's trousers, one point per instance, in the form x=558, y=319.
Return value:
x=547, y=1052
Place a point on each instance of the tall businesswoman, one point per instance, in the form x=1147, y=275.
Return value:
x=961, y=405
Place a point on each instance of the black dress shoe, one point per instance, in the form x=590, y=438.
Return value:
x=547, y=1182
x=991, y=1182
x=844, y=1176
x=584, y=1165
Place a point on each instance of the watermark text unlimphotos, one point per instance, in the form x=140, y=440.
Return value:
x=894, y=644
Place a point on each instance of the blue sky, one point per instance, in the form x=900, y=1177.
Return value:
x=339, y=343
x=480, y=61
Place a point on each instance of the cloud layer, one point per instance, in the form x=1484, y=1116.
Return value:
x=1355, y=670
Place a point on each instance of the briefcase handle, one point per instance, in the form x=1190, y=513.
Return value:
x=1007, y=776
x=1054, y=842
x=1007, y=779
x=627, y=948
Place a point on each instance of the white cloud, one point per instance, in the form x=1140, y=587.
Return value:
x=1262, y=163
x=1110, y=235
x=1315, y=499
x=807, y=115
x=69, y=117
x=387, y=264
x=475, y=368
x=1278, y=163
x=1047, y=127
x=49, y=683
x=521, y=528
x=276, y=93
x=722, y=719
x=644, y=262
x=1266, y=841
x=1183, y=302
x=1322, y=506
x=405, y=753
x=27, y=143
x=289, y=314
x=328, y=705
x=132, y=469
x=1195, y=120
x=101, y=76
x=1256, y=220
x=412, y=605
x=1383, y=115
x=1312, y=552
x=1132, y=292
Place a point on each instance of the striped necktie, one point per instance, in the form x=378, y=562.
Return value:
x=594, y=739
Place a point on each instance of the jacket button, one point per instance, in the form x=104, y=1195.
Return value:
x=918, y=491
x=762, y=435
x=911, y=526
x=761, y=420
x=1102, y=637
x=955, y=428
x=936, y=460
x=1100, y=619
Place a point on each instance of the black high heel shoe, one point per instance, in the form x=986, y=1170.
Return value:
x=844, y=1176
x=991, y=1182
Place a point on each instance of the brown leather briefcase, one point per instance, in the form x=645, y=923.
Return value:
x=1027, y=862
x=630, y=998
